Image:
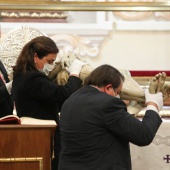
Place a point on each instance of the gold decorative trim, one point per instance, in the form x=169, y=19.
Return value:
x=84, y=6
x=39, y=159
x=164, y=113
x=33, y=15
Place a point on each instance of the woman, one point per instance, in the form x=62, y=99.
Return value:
x=33, y=93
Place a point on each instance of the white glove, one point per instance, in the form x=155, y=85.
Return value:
x=67, y=60
x=75, y=67
x=155, y=98
x=9, y=87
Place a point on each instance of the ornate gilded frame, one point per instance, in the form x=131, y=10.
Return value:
x=30, y=159
x=83, y=6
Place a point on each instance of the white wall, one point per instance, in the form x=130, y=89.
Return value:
x=136, y=50
x=142, y=45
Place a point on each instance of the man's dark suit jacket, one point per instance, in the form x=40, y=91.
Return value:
x=96, y=130
x=6, y=104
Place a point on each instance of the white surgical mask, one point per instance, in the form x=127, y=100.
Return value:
x=48, y=68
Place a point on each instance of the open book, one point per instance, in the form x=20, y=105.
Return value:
x=14, y=119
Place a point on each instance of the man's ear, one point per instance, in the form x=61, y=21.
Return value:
x=107, y=88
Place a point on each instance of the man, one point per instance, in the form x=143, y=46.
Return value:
x=6, y=104
x=96, y=128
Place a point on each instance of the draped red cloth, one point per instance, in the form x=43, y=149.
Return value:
x=145, y=73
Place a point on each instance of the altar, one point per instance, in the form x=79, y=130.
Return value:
x=156, y=156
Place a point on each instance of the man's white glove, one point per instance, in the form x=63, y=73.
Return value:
x=76, y=67
x=155, y=98
x=9, y=87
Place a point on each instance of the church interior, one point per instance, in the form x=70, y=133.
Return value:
x=134, y=40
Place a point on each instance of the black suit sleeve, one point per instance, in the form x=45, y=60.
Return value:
x=6, y=104
x=41, y=88
x=3, y=93
x=125, y=125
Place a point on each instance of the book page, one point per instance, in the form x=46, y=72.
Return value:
x=34, y=121
x=10, y=119
x=9, y=116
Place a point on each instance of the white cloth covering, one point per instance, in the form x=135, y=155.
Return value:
x=152, y=157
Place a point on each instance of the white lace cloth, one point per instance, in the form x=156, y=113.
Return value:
x=153, y=157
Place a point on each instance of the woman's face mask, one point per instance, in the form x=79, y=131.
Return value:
x=48, y=68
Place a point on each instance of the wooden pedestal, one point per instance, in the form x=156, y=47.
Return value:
x=26, y=147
